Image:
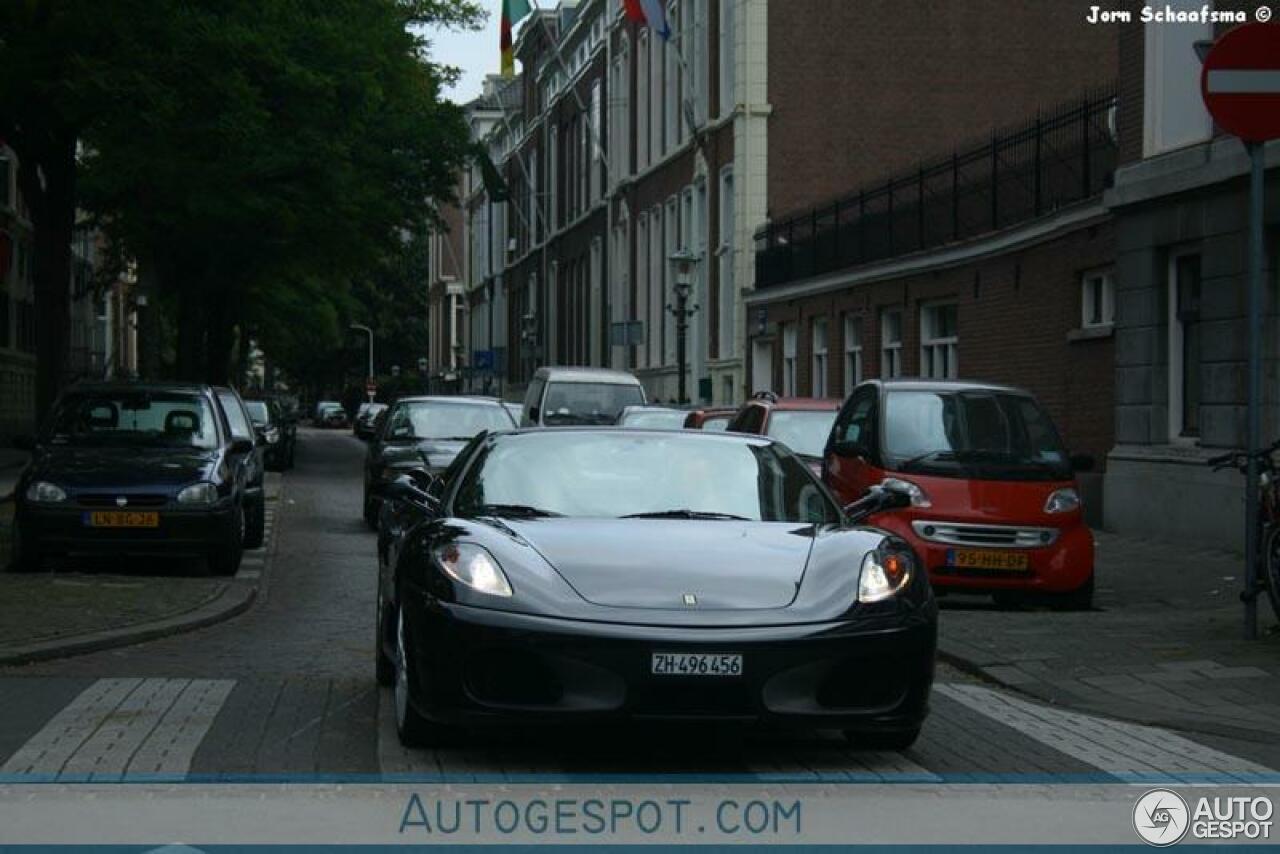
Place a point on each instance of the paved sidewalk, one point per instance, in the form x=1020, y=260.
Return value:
x=1164, y=645
x=85, y=605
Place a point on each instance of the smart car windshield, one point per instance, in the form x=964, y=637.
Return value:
x=160, y=419
x=438, y=419
x=803, y=432
x=991, y=434
x=588, y=403
x=625, y=474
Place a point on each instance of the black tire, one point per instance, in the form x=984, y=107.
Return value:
x=25, y=556
x=412, y=728
x=370, y=512
x=384, y=668
x=255, y=525
x=1080, y=599
x=225, y=559
x=899, y=740
x=1271, y=567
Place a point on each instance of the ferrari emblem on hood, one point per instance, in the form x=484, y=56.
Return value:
x=690, y=599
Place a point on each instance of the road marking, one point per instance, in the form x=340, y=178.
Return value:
x=1115, y=747
x=117, y=727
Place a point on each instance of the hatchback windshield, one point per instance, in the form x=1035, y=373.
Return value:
x=625, y=474
x=993, y=434
x=135, y=418
x=654, y=419
x=803, y=432
x=431, y=419
x=588, y=403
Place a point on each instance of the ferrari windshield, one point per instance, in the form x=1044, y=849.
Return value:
x=990, y=434
x=130, y=418
x=615, y=473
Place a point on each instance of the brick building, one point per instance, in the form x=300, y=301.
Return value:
x=1180, y=205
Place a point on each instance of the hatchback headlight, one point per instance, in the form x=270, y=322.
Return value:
x=272, y=435
x=897, y=484
x=198, y=493
x=473, y=566
x=45, y=492
x=1062, y=501
x=883, y=574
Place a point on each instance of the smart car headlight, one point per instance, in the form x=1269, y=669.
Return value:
x=1062, y=501
x=198, y=493
x=897, y=484
x=45, y=492
x=883, y=575
x=473, y=566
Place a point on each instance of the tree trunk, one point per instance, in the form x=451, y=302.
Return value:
x=191, y=335
x=221, y=321
x=47, y=176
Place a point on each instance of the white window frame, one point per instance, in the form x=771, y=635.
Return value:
x=819, y=342
x=852, y=352
x=1095, y=285
x=932, y=344
x=593, y=141
x=890, y=350
x=789, y=359
x=1177, y=369
x=672, y=86
x=728, y=289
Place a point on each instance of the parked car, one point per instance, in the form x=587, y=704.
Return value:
x=276, y=429
x=560, y=397
x=366, y=417
x=801, y=423
x=317, y=415
x=995, y=504
x=425, y=433
x=589, y=573
x=652, y=417
x=711, y=418
x=331, y=415
x=513, y=409
x=254, y=463
x=135, y=468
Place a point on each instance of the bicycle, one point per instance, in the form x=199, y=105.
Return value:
x=1268, y=575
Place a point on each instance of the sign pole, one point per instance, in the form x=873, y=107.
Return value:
x=1252, y=544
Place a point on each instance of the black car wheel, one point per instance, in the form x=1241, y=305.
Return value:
x=900, y=740
x=412, y=728
x=383, y=667
x=225, y=559
x=370, y=511
x=25, y=556
x=256, y=525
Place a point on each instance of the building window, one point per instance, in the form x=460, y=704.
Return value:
x=642, y=286
x=1184, y=347
x=728, y=290
x=657, y=56
x=891, y=343
x=788, y=359
x=642, y=100
x=818, y=340
x=939, y=338
x=852, y=352
x=553, y=176
x=657, y=313
x=697, y=52
x=727, y=70
x=1097, y=299
x=597, y=150
x=673, y=93
x=671, y=235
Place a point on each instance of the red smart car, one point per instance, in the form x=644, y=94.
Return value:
x=995, y=506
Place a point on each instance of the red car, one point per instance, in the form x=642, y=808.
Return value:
x=711, y=418
x=801, y=423
x=995, y=505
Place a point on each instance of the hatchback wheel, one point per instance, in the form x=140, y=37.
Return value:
x=225, y=559
x=256, y=525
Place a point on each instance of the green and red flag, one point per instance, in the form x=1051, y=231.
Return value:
x=513, y=11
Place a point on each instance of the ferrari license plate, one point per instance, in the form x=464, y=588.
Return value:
x=697, y=664
x=987, y=559
x=121, y=519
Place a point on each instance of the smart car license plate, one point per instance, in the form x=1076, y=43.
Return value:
x=697, y=664
x=121, y=519
x=987, y=559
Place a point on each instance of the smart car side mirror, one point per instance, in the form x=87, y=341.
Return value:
x=849, y=449
x=1082, y=462
x=24, y=443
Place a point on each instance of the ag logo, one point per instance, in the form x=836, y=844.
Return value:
x=1161, y=817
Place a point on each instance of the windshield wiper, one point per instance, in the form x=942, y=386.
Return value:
x=928, y=456
x=515, y=511
x=685, y=513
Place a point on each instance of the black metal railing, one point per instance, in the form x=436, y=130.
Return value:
x=1058, y=159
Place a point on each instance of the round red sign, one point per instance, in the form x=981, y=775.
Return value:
x=1240, y=82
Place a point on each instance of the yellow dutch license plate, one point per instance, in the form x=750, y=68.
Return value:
x=987, y=559
x=122, y=519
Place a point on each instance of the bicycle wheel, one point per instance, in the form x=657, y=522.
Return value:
x=1271, y=566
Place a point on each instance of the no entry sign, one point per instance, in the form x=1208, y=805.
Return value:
x=1240, y=82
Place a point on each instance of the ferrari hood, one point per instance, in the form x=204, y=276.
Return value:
x=658, y=563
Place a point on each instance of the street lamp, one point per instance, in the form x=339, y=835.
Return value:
x=682, y=262
x=359, y=327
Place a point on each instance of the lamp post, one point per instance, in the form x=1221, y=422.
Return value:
x=682, y=261
x=360, y=327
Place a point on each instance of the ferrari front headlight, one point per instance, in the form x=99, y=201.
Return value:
x=474, y=567
x=883, y=575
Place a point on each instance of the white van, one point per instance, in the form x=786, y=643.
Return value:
x=565, y=396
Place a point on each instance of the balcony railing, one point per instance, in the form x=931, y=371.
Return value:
x=1058, y=159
